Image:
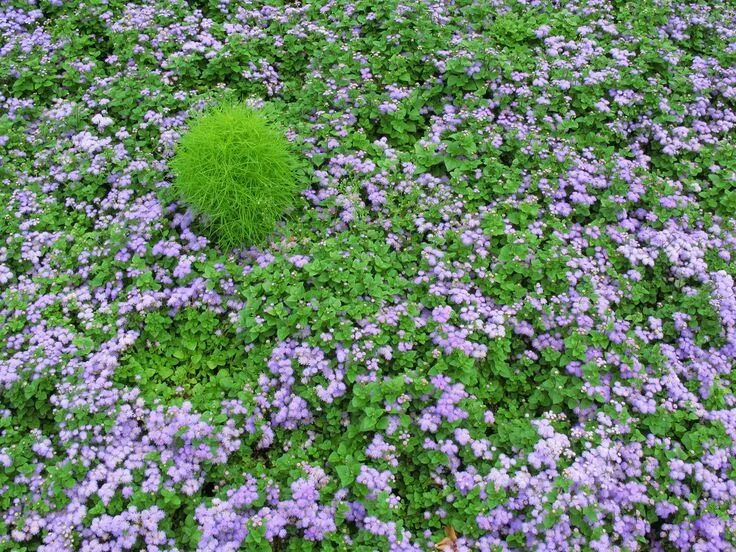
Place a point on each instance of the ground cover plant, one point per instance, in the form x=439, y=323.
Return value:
x=232, y=168
x=499, y=314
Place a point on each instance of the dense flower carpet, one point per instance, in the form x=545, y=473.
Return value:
x=499, y=316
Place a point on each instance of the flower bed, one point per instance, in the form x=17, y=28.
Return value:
x=501, y=314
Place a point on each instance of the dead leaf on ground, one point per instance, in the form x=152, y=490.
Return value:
x=448, y=543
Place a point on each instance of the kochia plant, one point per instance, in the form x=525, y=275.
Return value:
x=236, y=170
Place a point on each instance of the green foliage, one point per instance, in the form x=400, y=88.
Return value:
x=235, y=168
x=192, y=356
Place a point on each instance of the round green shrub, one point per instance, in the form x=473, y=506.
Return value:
x=235, y=169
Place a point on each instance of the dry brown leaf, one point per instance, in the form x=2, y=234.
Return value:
x=448, y=543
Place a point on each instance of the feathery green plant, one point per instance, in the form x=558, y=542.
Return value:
x=236, y=169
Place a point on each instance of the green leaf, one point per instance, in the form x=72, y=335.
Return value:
x=346, y=475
